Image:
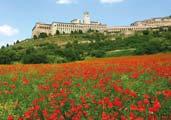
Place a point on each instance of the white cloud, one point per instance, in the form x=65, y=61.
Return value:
x=111, y=1
x=8, y=30
x=65, y=1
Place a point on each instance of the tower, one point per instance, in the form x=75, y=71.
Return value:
x=86, y=18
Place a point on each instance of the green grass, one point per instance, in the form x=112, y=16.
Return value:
x=122, y=52
x=59, y=40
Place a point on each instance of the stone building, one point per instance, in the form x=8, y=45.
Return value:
x=41, y=28
x=125, y=28
x=74, y=25
x=142, y=25
x=86, y=24
x=155, y=22
x=86, y=18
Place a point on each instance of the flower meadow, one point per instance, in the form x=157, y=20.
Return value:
x=123, y=88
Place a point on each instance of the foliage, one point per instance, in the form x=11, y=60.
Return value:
x=79, y=46
x=146, y=32
x=43, y=35
x=33, y=56
x=117, y=53
x=57, y=32
x=35, y=37
x=97, y=53
x=7, y=56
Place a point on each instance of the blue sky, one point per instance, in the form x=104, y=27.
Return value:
x=17, y=17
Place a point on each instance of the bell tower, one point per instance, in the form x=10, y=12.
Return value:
x=86, y=18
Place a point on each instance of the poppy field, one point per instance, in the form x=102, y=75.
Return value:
x=123, y=88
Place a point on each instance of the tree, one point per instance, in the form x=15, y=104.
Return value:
x=42, y=35
x=35, y=37
x=161, y=29
x=90, y=30
x=71, y=54
x=148, y=48
x=17, y=41
x=7, y=45
x=97, y=53
x=97, y=31
x=146, y=32
x=30, y=50
x=35, y=57
x=57, y=32
x=80, y=32
x=169, y=28
x=75, y=32
x=156, y=33
x=7, y=56
x=3, y=47
x=5, y=59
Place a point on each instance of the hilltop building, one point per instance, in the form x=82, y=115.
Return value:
x=86, y=24
x=142, y=25
x=74, y=25
x=155, y=22
x=86, y=18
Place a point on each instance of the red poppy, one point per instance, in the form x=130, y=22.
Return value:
x=10, y=117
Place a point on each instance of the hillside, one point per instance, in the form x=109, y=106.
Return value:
x=56, y=40
x=66, y=48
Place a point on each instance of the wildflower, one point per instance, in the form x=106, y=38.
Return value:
x=55, y=85
x=156, y=106
x=36, y=108
x=25, y=81
x=123, y=117
x=105, y=116
x=117, y=102
x=133, y=107
x=146, y=96
x=45, y=113
x=110, y=105
x=167, y=93
x=135, y=75
x=10, y=117
x=146, y=101
x=132, y=116
x=27, y=114
x=117, y=88
x=20, y=118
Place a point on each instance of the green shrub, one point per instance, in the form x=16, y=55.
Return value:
x=148, y=48
x=56, y=59
x=97, y=53
x=7, y=56
x=43, y=35
x=34, y=58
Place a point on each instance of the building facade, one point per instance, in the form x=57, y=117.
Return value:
x=126, y=28
x=86, y=24
x=142, y=25
x=86, y=18
x=155, y=22
x=74, y=25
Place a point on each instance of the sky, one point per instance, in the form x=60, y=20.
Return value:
x=18, y=17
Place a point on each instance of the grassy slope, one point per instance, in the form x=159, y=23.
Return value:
x=57, y=40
